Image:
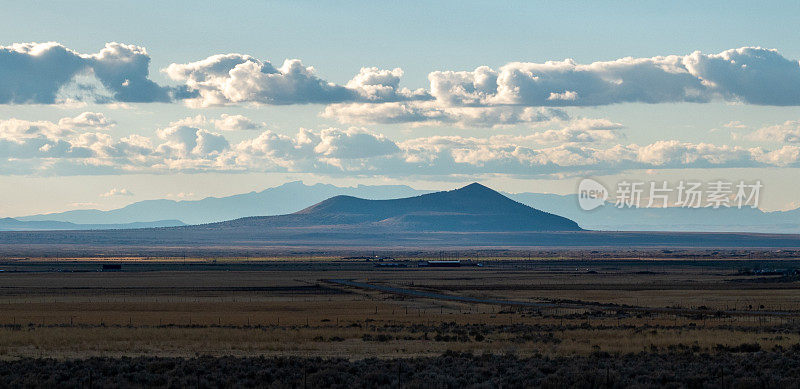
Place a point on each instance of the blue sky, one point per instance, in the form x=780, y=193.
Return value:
x=738, y=126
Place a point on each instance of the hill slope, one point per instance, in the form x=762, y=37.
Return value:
x=471, y=208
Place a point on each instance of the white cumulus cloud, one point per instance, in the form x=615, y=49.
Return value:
x=38, y=72
x=237, y=78
x=119, y=73
x=236, y=123
x=117, y=192
x=430, y=113
x=751, y=75
x=87, y=120
x=787, y=132
x=186, y=145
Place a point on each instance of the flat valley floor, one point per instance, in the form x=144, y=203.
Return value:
x=614, y=321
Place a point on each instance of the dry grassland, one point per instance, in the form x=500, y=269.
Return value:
x=71, y=310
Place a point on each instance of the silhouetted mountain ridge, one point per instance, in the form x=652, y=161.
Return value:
x=279, y=200
x=290, y=197
x=12, y=224
x=471, y=208
x=473, y=216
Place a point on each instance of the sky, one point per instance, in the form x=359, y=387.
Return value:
x=106, y=103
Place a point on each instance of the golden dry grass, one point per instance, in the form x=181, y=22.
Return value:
x=291, y=311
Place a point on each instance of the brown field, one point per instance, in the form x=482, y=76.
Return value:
x=69, y=309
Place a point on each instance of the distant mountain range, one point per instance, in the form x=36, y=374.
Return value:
x=294, y=196
x=11, y=224
x=473, y=208
x=284, y=199
x=472, y=216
